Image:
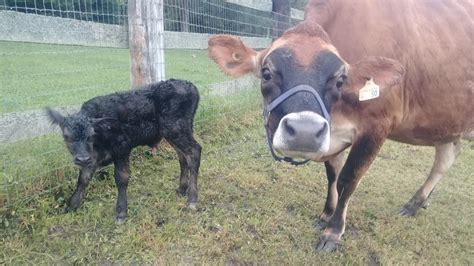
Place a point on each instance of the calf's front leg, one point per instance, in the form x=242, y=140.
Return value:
x=122, y=173
x=360, y=157
x=83, y=180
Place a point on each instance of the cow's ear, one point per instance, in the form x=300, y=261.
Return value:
x=233, y=56
x=384, y=71
x=55, y=117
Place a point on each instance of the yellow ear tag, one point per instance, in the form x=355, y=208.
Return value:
x=369, y=91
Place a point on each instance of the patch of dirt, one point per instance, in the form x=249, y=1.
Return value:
x=373, y=259
x=160, y=222
x=56, y=230
x=213, y=229
x=251, y=229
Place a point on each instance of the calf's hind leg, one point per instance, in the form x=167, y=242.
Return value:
x=184, y=173
x=445, y=155
x=122, y=173
x=187, y=146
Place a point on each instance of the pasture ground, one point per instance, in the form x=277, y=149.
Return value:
x=251, y=209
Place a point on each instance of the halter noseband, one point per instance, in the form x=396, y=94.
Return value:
x=267, y=109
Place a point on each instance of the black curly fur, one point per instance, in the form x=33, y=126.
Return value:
x=108, y=127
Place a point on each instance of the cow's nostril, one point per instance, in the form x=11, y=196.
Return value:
x=289, y=128
x=321, y=131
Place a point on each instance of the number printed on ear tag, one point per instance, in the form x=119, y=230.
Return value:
x=369, y=91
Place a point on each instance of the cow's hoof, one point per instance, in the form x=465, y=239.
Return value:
x=181, y=191
x=409, y=210
x=192, y=206
x=320, y=224
x=327, y=244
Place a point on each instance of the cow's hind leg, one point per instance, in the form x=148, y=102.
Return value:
x=445, y=156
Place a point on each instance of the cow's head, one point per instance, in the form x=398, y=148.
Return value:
x=302, y=77
x=79, y=133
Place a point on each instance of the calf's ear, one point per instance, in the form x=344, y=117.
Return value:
x=55, y=117
x=105, y=124
x=233, y=56
x=386, y=72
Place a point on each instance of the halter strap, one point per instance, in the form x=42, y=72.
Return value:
x=274, y=104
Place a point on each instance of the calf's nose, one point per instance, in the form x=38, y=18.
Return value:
x=81, y=160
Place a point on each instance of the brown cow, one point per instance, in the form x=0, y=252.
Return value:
x=328, y=84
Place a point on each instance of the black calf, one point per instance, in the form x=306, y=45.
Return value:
x=108, y=127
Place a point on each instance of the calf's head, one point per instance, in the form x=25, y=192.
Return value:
x=302, y=77
x=79, y=133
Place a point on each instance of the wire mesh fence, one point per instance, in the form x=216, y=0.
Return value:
x=43, y=71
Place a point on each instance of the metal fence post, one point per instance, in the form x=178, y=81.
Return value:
x=146, y=28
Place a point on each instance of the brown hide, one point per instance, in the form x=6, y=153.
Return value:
x=432, y=39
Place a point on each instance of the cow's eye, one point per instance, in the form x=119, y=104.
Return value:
x=340, y=81
x=266, y=74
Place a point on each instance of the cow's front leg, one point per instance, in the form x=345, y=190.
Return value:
x=83, y=180
x=360, y=157
x=333, y=168
x=122, y=173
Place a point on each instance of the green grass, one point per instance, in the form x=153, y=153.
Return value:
x=35, y=75
x=251, y=209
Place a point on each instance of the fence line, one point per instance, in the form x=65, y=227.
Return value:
x=22, y=27
x=35, y=75
x=17, y=126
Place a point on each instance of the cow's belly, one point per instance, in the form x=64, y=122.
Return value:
x=435, y=120
x=427, y=136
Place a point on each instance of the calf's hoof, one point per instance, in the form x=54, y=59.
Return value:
x=69, y=209
x=181, y=191
x=192, y=206
x=120, y=220
x=327, y=243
